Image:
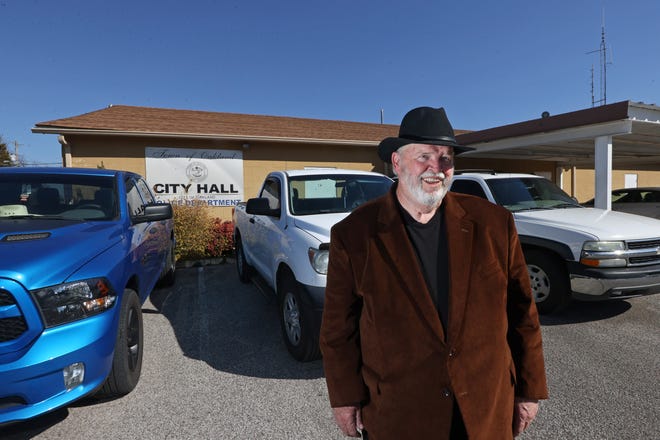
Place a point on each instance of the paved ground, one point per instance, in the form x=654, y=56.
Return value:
x=215, y=367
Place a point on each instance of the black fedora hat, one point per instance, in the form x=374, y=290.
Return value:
x=422, y=125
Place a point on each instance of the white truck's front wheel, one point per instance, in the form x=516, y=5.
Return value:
x=297, y=321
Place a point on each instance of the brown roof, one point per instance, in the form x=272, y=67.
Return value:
x=127, y=119
x=142, y=120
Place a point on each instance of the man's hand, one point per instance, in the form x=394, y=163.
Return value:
x=349, y=420
x=524, y=411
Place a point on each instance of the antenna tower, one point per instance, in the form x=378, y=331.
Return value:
x=603, y=68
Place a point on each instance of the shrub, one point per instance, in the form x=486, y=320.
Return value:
x=221, y=242
x=198, y=235
x=192, y=229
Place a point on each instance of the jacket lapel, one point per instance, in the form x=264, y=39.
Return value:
x=404, y=265
x=460, y=235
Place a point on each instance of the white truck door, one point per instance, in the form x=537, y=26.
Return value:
x=267, y=230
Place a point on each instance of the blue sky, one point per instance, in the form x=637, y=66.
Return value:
x=488, y=63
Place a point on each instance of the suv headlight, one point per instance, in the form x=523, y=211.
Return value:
x=72, y=301
x=603, y=254
x=319, y=258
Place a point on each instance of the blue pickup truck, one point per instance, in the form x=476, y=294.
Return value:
x=80, y=252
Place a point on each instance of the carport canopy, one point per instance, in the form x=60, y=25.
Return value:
x=622, y=135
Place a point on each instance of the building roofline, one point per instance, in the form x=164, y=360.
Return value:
x=88, y=132
x=595, y=115
x=124, y=120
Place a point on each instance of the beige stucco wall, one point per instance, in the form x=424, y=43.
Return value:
x=259, y=158
x=509, y=166
x=108, y=152
x=581, y=182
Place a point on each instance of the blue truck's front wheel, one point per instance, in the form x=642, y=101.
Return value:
x=127, y=360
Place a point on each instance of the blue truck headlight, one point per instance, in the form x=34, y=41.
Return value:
x=72, y=301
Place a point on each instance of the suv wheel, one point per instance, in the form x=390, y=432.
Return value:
x=549, y=281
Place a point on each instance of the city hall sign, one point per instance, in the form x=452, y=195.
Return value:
x=186, y=175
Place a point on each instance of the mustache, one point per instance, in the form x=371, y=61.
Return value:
x=440, y=175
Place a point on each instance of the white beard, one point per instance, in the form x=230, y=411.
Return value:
x=414, y=185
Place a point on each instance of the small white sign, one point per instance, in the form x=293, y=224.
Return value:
x=318, y=189
x=186, y=175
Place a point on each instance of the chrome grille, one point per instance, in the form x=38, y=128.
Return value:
x=644, y=252
x=644, y=244
x=639, y=261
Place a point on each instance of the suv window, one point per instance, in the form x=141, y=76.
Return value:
x=468, y=187
x=521, y=193
x=516, y=193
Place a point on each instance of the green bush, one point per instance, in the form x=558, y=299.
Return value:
x=198, y=235
x=191, y=229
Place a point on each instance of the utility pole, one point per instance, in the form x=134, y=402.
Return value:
x=17, y=160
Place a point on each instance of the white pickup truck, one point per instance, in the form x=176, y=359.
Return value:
x=284, y=234
x=572, y=251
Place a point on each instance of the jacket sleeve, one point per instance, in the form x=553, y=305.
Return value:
x=340, y=331
x=524, y=334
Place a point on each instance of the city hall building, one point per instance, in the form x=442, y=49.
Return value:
x=222, y=158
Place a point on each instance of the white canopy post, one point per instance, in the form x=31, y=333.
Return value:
x=603, y=167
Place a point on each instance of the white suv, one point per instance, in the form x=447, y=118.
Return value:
x=572, y=251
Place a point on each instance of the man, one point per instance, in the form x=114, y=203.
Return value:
x=429, y=327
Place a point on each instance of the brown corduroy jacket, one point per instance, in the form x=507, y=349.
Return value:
x=382, y=340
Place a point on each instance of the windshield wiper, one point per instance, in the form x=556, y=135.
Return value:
x=533, y=208
x=36, y=216
x=20, y=216
x=567, y=205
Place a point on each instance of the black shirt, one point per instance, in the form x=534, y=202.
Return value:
x=430, y=243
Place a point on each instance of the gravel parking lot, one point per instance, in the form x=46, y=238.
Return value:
x=215, y=367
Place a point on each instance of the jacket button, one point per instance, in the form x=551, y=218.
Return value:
x=445, y=392
x=452, y=353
